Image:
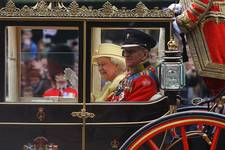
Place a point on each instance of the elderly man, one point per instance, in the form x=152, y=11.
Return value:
x=140, y=83
x=111, y=66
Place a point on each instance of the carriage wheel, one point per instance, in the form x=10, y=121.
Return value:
x=177, y=125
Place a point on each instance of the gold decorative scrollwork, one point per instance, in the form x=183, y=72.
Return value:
x=40, y=143
x=141, y=9
x=10, y=9
x=172, y=45
x=115, y=144
x=73, y=8
x=41, y=114
x=58, y=9
x=83, y=114
x=108, y=9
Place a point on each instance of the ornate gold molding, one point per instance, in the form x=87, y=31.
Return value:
x=83, y=114
x=172, y=45
x=58, y=9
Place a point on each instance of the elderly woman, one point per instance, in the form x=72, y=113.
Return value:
x=111, y=66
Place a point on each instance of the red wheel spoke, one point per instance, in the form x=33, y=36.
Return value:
x=184, y=139
x=180, y=122
x=173, y=133
x=215, y=139
x=152, y=145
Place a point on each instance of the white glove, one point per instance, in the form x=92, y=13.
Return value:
x=72, y=77
x=176, y=8
x=176, y=27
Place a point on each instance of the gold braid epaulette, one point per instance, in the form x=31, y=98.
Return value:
x=185, y=22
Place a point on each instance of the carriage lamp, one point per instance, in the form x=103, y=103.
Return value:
x=172, y=69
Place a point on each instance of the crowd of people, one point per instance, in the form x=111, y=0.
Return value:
x=42, y=62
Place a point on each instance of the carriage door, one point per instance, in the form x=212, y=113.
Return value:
x=114, y=122
x=36, y=98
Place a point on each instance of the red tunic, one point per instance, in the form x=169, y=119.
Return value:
x=66, y=93
x=210, y=16
x=136, y=87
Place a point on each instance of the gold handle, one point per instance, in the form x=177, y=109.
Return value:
x=41, y=114
x=206, y=138
x=83, y=114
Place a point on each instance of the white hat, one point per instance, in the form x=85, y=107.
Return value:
x=108, y=50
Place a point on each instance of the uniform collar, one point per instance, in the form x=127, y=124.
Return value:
x=139, y=68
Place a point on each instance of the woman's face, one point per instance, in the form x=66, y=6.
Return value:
x=107, y=69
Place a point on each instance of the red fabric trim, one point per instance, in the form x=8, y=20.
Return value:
x=197, y=8
x=57, y=92
x=192, y=17
x=214, y=34
x=215, y=8
x=204, y=1
x=214, y=85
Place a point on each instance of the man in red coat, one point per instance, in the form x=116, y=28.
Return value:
x=140, y=83
x=209, y=16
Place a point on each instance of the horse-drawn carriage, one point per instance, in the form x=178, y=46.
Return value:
x=31, y=121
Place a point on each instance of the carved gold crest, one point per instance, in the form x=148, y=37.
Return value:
x=58, y=9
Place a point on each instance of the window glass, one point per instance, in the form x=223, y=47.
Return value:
x=43, y=55
x=104, y=71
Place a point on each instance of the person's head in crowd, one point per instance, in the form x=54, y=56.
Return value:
x=136, y=47
x=34, y=77
x=192, y=77
x=27, y=34
x=59, y=57
x=28, y=45
x=109, y=59
x=26, y=39
x=153, y=56
x=28, y=91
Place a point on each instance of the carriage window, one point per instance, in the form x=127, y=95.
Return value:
x=108, y=64
x=42, y=66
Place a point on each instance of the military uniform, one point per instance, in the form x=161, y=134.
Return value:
x=139, y=86
x=209, y=15
x=65, y=93
x=140, y=82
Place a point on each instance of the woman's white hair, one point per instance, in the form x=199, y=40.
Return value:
x=120, y=63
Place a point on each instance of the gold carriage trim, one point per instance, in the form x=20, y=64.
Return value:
x=58, y=9
x=184, y=22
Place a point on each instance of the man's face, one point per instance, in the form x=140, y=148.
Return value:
x=107, y=69
x=134, y=55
